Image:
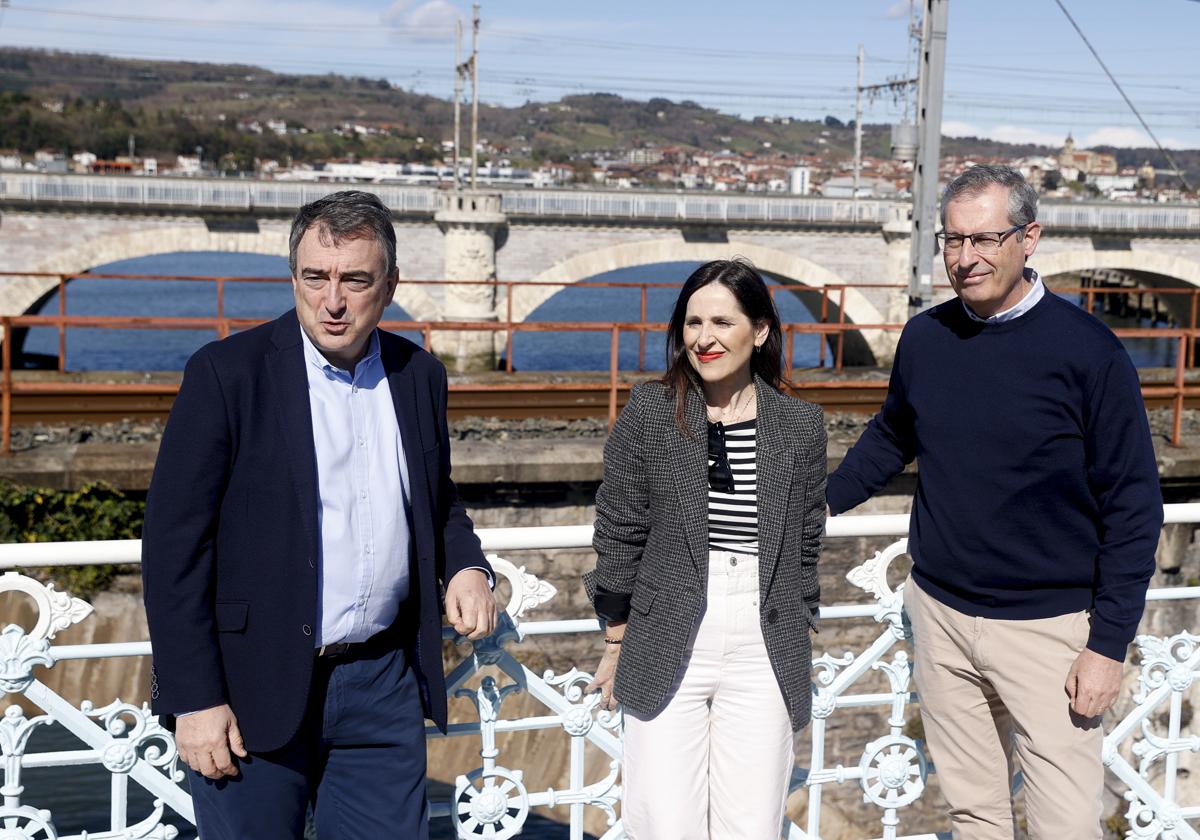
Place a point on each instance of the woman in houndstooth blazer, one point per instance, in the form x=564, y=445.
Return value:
x=708, y=526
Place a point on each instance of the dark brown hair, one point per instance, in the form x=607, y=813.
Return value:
x=348, y=214
x=743, y=280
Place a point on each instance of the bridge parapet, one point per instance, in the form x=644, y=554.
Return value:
x=1148, y=751
x=272, y=197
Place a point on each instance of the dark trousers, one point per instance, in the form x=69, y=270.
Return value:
x=359, y=759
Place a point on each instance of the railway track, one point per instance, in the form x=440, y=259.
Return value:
x=110, y=402
x=80, y=402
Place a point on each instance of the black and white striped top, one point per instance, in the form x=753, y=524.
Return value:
x=733, y=517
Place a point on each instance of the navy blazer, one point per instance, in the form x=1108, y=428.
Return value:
x=230, y=543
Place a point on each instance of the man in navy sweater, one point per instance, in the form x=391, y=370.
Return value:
x=1034, y=525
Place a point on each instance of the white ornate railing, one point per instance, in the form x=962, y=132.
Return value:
x=1145, y=752
x=643, y=205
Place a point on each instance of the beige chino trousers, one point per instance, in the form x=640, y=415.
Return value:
x=992, y=690
x=716, y=762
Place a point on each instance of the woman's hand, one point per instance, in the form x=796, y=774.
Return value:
x=606, y=671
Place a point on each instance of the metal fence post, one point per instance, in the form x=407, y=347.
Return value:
x=62, y=326
x=613, y=358
x=6, y=397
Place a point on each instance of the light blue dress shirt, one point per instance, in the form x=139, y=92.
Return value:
x=364, y=511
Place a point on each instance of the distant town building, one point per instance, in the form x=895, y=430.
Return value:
x=1146, y=175
x=187, y=165
x=48, y=160
x=84, y=161
x=843, y=187
x=799, y=180
x=644, y=157
x=1085, y=160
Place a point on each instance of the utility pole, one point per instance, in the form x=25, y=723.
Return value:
x=458, y=74
x=931, y=74
x=475, y=93
x=896, y=87
x=858, y=111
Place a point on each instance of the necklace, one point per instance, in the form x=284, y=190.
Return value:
x=749, y=391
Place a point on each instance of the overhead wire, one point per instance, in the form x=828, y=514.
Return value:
x=224, y=23
x=1171, y=160
x=714, y=92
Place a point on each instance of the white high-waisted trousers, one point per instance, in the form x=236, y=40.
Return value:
x=716, y=762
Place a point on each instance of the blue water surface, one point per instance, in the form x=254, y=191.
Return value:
x=91, y=349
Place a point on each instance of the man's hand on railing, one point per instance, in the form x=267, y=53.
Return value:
x=606, y=671
x=470, y=605
x=209, y=740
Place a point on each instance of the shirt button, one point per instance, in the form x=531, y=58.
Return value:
x=732, y=560
x=306, y=630
x=362, y=494
x=369, y=550
x=353, y=389
x=362, y=441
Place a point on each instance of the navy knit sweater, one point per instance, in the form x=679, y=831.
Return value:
x=1037, y=490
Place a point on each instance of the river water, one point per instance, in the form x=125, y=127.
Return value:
x=106, y=349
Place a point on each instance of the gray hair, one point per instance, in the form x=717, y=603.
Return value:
x=345, y=215
x=1022, y=198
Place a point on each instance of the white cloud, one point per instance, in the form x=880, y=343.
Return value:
x=430, y=21
x=953, y=128
x=1115, y=136
x=1125, y=136
x=899, y=9
x=1122, y=136
x=395, y=13
x=1024, y=134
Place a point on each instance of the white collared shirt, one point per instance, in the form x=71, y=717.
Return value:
x=363, y=497
x=1035, y=294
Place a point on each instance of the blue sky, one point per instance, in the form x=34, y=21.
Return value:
x=1016, y=70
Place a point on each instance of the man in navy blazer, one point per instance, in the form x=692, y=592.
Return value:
x=300, y=526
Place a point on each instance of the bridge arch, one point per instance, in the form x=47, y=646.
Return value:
x=26, y=293
x=873, y=345
x=1166, y=270
x=1141, y=262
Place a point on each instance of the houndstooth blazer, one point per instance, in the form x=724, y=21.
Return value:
x=652, y=538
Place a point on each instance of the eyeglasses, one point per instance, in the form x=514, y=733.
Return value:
x=983, y=243
x=720, y=476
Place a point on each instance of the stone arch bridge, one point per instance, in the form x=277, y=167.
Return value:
x=69, y=224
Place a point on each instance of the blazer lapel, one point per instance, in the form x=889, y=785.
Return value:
x=414, y=439
x=289, y=380
x=774, y=466
x=404, y=399
x=689, y=465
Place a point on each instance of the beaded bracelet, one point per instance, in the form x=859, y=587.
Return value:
x=609, y=641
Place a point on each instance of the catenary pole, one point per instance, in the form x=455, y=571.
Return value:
x=474, y=95
x=858, y=114
x=932, y=75
x=458, y=74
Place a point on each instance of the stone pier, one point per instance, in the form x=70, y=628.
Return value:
x=469, y=221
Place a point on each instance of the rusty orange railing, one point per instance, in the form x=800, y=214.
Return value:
x=832, y=297
x=1176, y=391
x=833, y=333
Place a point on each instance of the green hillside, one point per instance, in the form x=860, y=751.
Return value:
x=72, y=102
